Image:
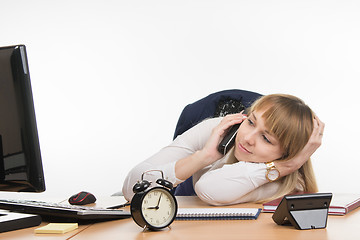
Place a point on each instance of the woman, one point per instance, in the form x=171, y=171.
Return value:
x=270, y=158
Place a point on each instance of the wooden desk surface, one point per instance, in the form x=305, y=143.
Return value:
x=338, y=227
x=28, y=234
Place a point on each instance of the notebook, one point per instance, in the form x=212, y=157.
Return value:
x=341, y=204
x=218, y=213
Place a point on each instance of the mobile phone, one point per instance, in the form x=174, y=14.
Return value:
x=229, y=139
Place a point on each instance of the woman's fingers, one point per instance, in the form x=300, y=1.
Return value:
x=218, y=133
x=318, y=131
x=230, y=120
x=316, y=137
x=320, y=126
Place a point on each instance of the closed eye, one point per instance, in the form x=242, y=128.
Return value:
x=266, y=139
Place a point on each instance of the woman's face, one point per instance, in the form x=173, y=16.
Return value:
x=254, y=143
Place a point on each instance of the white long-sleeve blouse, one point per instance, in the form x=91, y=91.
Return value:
x=226, y=181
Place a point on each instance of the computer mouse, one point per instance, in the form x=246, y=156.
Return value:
x=82, y=198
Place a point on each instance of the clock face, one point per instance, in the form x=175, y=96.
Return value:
x=158, y=208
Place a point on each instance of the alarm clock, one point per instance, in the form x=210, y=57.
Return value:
x=154, y=208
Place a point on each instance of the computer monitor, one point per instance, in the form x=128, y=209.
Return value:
x=20, y=159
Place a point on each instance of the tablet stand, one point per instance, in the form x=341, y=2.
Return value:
x=306, y=211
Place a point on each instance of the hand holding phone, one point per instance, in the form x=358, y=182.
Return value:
x=229, y=140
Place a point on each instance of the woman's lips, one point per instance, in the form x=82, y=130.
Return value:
x=242, y=148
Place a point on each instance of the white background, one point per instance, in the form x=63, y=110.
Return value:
x=110, y=78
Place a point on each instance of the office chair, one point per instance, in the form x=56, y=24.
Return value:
x=217, y=104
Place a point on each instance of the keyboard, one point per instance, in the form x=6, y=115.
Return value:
x=75, y=212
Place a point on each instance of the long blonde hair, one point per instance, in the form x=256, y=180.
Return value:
x=290, y=120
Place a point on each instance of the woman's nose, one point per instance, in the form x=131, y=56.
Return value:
x=250, y=138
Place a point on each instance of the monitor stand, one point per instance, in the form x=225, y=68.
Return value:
x=10, y=221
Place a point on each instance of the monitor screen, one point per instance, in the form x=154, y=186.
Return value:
x=20, y=159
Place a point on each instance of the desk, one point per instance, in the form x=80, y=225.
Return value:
x=338, y=227
x=28, y=234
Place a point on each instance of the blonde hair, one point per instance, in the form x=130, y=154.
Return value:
x=290, y=120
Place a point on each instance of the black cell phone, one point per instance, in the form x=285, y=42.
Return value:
x=229, y=139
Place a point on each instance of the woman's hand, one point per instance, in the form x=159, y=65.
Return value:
x=218, y=133
x=186, y=167
x=315, y=140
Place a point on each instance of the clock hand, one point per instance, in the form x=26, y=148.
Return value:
x=157, y=206
x=159, y=201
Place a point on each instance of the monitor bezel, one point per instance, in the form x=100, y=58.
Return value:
x=26, y=111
